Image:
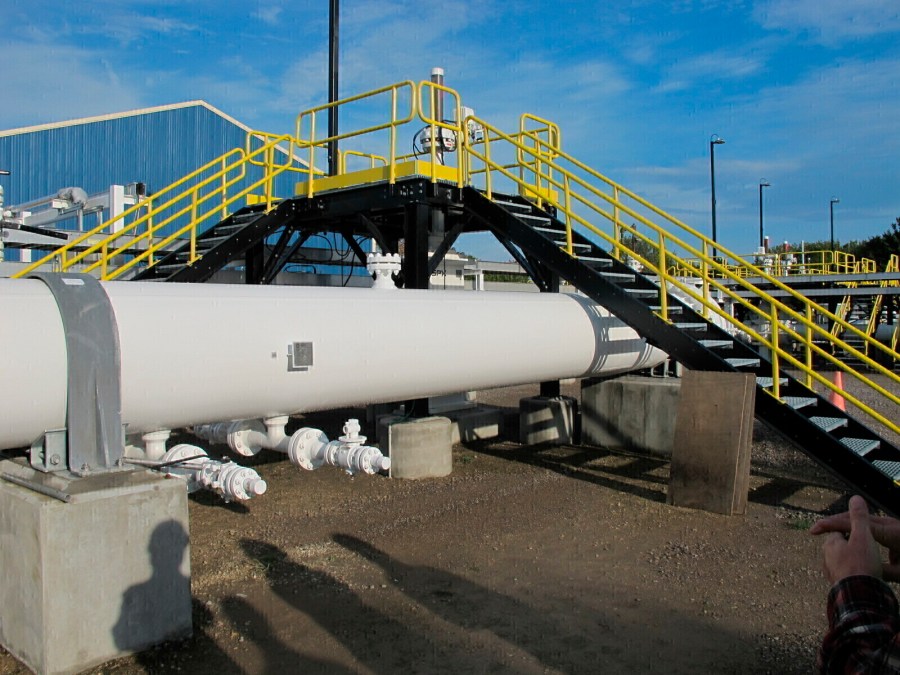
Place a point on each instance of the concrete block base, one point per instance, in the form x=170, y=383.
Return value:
x=104, y=575
x=548, y=420
x=631, y=412
x=714, y=428
x=419, y=448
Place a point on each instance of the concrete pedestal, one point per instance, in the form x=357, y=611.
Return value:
x=548, y=420
x=106, y=574
x=631, y=412
x=713, y=432
x=419, y=448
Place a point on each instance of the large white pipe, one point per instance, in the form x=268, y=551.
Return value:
x=202, y=353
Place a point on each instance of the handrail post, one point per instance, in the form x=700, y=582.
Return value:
x=617, y=224
x=773, y=317
x=568, y=191
x=193, y=225
x=704, y=275
x=663, y=295
x=808, y=346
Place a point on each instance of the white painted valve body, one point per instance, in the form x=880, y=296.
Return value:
x=199, y=353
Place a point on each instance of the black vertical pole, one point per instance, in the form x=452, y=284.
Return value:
x=333, y=42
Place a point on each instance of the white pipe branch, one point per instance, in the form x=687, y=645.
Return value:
x=307, y=448
x=230, y=480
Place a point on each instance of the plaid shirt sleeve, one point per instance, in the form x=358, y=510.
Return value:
x=864, y=628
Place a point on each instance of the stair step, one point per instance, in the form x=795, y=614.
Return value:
x=641, y=292
x=716, y=344
x=829, y=423
x=797, y=402
x=861, y=446
x=767, y=382
x=618, y=276
x=888, y=468
x=595, y=262
x=537, y=219
x=692, y=326
x=672, y=309
x=743, y=363
x=512, y=205
x=575, y=244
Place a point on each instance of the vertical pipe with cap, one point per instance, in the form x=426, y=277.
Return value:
x=437, y=108
x=333, y=42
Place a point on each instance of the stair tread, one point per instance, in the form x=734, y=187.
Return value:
x=515, y=205
x=699, y=325
x=621, y=276
x=888, y=468
x=765, y=381
x=797, y=402
x=642, y=291
x=712, y=344
x=742, y=363
x=828, y=423
x=861, y=446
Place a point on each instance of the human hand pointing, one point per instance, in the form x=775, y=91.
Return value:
x=885, y=530
x=857, y=553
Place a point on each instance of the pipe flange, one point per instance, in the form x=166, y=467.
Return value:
x=304, y=448
x=239, y=434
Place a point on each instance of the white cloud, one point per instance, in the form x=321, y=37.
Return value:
x=710, y=67
x=50, y=83
x=831, y=21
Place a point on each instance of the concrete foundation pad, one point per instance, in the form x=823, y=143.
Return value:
x=631, y=412
x=104, y=575
x=419, y=448
x=545, y=419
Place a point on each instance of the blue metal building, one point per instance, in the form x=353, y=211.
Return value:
x=155, y=146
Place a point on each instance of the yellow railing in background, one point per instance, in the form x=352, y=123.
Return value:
x=202, y=197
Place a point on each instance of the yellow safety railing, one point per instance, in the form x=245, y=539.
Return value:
x=793, y=263
x=202, y=197
x=584, y=197
x=310, y=125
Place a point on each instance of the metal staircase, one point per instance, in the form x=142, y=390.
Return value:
x=849, y=449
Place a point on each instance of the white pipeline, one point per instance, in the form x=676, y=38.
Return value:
x=196, y=353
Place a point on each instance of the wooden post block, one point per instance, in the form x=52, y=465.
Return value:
x=713, y=432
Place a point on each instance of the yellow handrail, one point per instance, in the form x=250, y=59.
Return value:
x=671, y=249
x=312, y=142
x=163, y=209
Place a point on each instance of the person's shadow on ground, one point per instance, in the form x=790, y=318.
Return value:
x=379, y=641
x=475, y=607
x=164, y=604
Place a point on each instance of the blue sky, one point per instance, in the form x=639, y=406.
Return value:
x=805, y=92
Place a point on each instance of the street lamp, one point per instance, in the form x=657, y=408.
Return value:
x=834, y=200
x=714, y=140
x=762, y=184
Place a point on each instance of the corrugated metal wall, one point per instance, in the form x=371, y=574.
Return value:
x=155, y=148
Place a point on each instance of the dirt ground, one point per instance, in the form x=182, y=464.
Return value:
x=524, y=560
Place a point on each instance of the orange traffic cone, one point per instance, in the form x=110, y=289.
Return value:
x=835, y=398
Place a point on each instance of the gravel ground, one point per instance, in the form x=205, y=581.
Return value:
x=525, y=560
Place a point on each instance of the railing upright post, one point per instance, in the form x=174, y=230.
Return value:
x=193, y=225
x=663, y=296
x=808, y=345
x=617, y=224
x=776, y=358
x=569, y=244
x=704, y=275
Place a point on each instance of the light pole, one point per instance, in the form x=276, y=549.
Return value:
x=334, y=11
x=834, y=200
x=762, y=184
x=714, y=140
